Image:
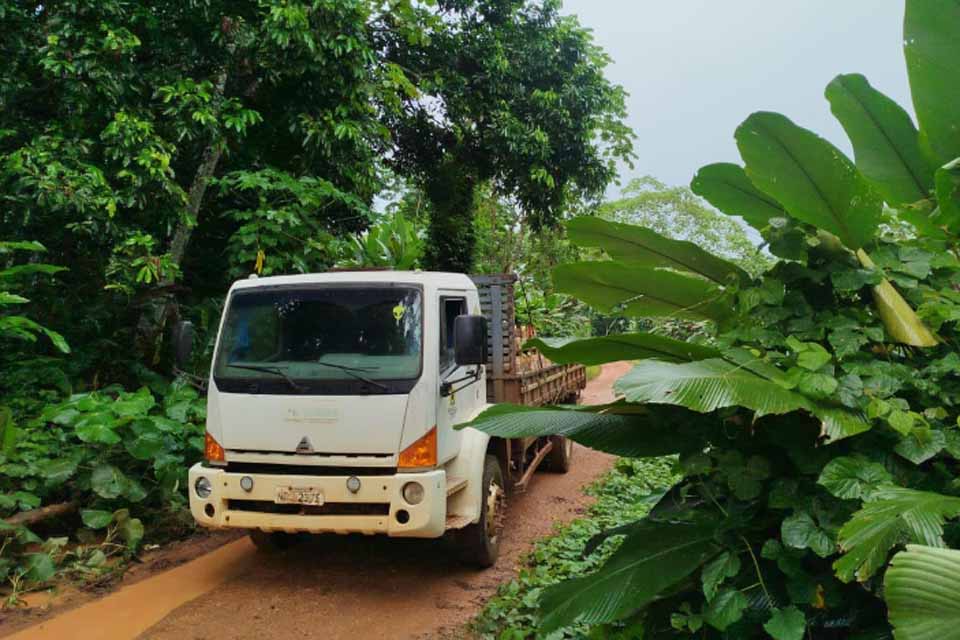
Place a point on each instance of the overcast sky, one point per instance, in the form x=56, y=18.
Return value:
x=695, y=69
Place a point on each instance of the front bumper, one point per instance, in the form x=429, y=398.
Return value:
x=378, y=506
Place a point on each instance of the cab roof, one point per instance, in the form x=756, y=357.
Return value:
x=437, y=279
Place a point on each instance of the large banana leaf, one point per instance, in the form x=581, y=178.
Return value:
x=931, y=47
x=885, y=141
x=893, y=516
x=653, y=558
x=621, y=429
x=635, y=245
x=922, y=590
x=708, y=385
x=810, y=177
x=628, y=346
x=642, y=291
x=727, y=187
x=948, y=196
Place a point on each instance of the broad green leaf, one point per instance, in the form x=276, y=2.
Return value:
x=921, y=445
x=131, y=530
x=98, y=428
x=641, y=291
x=627, y=346
x=725, y=609
x=885, y=141
x=38, y=567
x=724, y=566
x=639, y=431
x=931, y=48
x=29, y=269
x=8, y=246
x=895, y=515
x=145, y=446
x=650, y=560
x=107, y=481
x=922, y=589
x=134, y=404
x=11, y=298
x=707, y=385
x=58, y=470
x=58, y=340
x=948, y=196
x=786, y=624
x=633, y=245
x=96, y=519
x=727, y=187
x=813, y=180
x=801, y=532
x=853, y=478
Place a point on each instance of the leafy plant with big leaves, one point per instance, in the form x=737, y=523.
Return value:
x=816, y=428
x=116, y=458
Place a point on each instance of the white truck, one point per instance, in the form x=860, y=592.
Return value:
x=332, y=402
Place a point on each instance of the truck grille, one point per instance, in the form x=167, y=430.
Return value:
x=328, y=509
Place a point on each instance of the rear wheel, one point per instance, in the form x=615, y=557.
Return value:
x=558, y=460
x=479, y=543
x=271, y=541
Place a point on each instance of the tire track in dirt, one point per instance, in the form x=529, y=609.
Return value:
x=335, y=587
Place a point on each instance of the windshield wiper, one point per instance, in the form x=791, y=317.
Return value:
x=277, y=371
x=352, y=371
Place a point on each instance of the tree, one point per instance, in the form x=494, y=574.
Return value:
x=677, y=213
x=117, y=118
x=512, y=94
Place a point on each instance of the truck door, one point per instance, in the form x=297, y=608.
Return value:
x=454, y=408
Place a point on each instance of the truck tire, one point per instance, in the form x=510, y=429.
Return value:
x=479, y=543
x=271, y=541
x=558, y=460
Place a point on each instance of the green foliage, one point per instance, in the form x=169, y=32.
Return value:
x=921, y=589
x=821, y=433
x=394, y=242
x=624, y=494
x=14, y=279
x=115, y=454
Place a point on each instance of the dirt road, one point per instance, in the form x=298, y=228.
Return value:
x=334, y=587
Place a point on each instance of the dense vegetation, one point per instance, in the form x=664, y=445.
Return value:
x=816, y=422
x=624, y=494
x=151, y=153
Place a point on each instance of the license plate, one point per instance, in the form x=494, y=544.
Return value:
x=299, y=495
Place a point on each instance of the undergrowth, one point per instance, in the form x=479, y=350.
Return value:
x=622, y=495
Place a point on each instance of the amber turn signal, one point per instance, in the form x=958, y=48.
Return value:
x=212, y=451
x=420, y=454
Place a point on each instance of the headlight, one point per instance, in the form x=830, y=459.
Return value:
x=353, y=484
x=203, y=488
x=413, y=493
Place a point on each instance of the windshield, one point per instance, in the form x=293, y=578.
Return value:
x=298, y=339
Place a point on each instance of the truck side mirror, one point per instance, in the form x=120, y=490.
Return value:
x=182, y=343
x=470, y=340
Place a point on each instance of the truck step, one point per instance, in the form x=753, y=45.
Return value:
x=457, y=522
x=455, y=484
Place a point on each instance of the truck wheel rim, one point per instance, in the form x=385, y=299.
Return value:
x=494, y=507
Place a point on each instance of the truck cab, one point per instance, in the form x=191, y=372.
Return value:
x=332, y=402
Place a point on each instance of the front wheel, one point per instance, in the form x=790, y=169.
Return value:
x=479, y=543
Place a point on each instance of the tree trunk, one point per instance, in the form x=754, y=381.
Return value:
x=451, y=236
x=158, y=310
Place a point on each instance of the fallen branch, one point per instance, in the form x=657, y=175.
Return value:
x=27, y=518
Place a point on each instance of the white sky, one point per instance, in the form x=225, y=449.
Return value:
x=695, y=69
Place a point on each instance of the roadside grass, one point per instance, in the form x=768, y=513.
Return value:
x=624, y=494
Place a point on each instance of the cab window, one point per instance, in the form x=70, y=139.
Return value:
x=450, y=308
